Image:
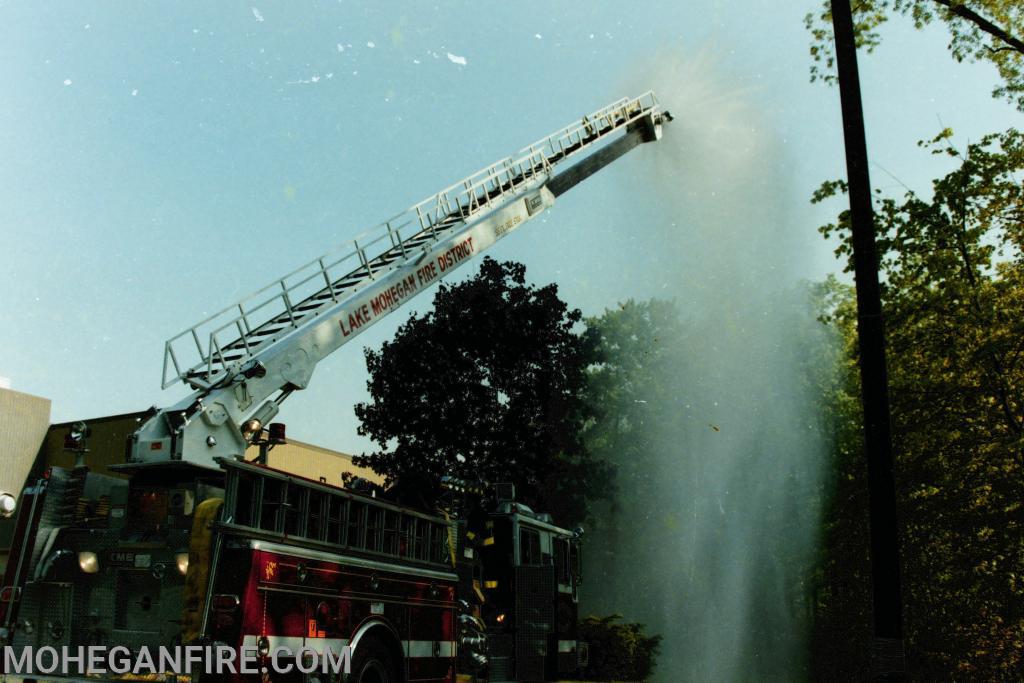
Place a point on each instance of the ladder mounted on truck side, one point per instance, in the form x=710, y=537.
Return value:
x=243, y=361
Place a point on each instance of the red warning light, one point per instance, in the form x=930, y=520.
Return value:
x=277, y=432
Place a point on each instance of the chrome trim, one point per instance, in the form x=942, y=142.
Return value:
x=350, y=560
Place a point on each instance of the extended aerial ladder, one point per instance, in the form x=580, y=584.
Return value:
x=245, y=360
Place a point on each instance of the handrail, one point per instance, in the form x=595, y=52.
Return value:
x=289, y=305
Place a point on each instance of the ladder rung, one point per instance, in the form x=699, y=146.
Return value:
x=261, y=332
x=255, y=336
x=311, y=304
x=351, y=277
x=469, y=198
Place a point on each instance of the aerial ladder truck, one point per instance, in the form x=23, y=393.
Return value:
x=197, y=544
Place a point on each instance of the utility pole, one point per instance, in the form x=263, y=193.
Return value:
x=887, y=658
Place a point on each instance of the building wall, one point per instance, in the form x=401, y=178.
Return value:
x=107, y=443
x=24, y=420
x=314, y=462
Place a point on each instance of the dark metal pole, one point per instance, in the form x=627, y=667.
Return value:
x=887, y=660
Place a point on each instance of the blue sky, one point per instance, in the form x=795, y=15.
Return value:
x=161, y=160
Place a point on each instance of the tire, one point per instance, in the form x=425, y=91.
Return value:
x=374, y=663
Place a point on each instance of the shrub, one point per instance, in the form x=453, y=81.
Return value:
x=618, y=651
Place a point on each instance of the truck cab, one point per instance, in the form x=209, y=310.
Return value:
x=530, y=572
x=101, y=560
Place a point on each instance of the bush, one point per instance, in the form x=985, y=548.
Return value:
x=618, y=652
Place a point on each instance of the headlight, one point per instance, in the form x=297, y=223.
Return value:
x=7, y=504
x=181, y=560
x=88, y=562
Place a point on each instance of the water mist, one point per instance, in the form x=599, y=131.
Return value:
x=709, y=546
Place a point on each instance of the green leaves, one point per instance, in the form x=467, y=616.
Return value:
x=982, y=30
x=618, y=651
x=953, y=293
x=953, y=299
x=487, y=387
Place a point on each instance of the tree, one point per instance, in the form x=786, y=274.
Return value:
x=981, y=30
x=708, y=421
x=842, y=620
x=618, y=652
x=954, y=298
x=638, y=349
x=487, y=387
x=952, y=293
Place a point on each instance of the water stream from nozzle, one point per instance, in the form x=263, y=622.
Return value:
x=713, y=536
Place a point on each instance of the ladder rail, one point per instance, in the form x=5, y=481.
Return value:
x=628, y=109
x=291, y=297
x=220, y=352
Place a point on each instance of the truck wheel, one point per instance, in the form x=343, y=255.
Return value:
x=373, y=663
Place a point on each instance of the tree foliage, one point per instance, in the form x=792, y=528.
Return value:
x=487, y=387
x=982, y=30
x=618, y=651
x=707, y=419
x=953, y=294
x=630, y=385
x=953, y=298
x=842, y=632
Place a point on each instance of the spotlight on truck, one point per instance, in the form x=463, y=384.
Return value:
x=8, y=504
x=251, y=428
x=88, y=562
x=74, y=440
x=181, y=561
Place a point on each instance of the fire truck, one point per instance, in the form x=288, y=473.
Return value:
x=192, y=543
